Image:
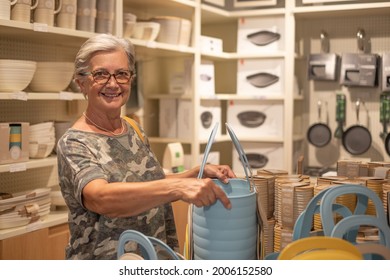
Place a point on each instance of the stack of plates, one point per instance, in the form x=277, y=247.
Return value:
x=41, y=139
x=265, y=189
x=282, y=237
x=52, y=76
x=5, y=10
x=268, y=237
x=15, y=75
x=22, y=208
x=385, y=191
x=376, y=185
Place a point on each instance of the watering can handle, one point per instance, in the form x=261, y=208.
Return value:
x=146, y=243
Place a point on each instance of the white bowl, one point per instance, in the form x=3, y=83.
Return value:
x=174, y=30
x=147, y=30
x=15, y=75
x=41, y=150
x=52, y=76
x=57, y=199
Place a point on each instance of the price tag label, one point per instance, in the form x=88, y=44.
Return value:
x=65, y=95
x=21, y=95
x=40, y=27
x=17, y=167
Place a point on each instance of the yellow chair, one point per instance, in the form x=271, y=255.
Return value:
x=320, y=248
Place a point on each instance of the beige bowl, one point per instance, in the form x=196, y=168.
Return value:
x=52, y=76
x=15, y=75
x=147, y=30
x=174, y=30
x=41, y=150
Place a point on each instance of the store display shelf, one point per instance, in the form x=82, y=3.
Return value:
x=361, y=9
x=169, y=4
x=168, y=140
x=228, y=96
x=153, y=48
x=33, y=163
x=265, y=139
x=35, y=32
x=25, y=96
x=211, y=14
x=236, y=56
x=54, y=218
x=169, y=96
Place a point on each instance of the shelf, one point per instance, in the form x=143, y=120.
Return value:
x=236, y=56
x=228, y=96
x=33, y=163
x=54, y=218
x=153, y=48
x=266, y=139
x=34, y=32
x=168, y=140
x=169, y=96
x=350, y=10
x=25, y=96
x=211, y=14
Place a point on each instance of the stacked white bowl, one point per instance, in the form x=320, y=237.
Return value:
x=5, y=9
x=41, y=139
x=15, y=75
x=18, y=209
x=52, y=76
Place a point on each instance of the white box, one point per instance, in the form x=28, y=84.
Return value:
x=206, y=79
x=167, y=118
x=260, y=77
x=260, y=34
x=14, y=147
x=209, y=115
x=254, y=118
x=260, y=156
x=211, y=44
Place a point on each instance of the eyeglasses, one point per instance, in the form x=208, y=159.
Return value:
x=101, y=77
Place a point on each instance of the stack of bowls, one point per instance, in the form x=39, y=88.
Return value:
x=41, y=139
x=129, y=21
x=18, y=209
x=174, y=30
x=52, y=76
x=15, y=75
x=5, y=9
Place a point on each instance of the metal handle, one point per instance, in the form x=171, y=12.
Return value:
x=361, y=39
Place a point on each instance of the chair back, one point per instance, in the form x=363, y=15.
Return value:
x=320, y=248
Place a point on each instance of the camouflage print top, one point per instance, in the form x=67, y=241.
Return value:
x=85, y=156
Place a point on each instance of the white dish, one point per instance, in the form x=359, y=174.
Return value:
x=15, y=75
x=52, y=76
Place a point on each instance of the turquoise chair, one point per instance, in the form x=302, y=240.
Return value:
x=304, y=222
x=363, y=195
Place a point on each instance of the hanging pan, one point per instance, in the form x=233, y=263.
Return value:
x=384, y=119
x=357, y=138
x=319, y=134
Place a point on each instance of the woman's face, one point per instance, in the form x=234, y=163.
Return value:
x=111, y=96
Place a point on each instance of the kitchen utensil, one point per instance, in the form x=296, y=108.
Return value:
x=262, y=80
x=319, y=134
x=340, y=115
x=357, y=138
x=219, y=233
x=251, y=118
x=146, y=244
x=263, y=38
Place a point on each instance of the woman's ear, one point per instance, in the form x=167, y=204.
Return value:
x=80, y=83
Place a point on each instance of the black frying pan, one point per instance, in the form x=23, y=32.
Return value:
x=357, y=139
x=319, y=134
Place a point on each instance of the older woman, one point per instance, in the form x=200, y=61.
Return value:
x=109, y=177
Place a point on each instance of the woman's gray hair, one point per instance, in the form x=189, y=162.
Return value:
x=102, y=42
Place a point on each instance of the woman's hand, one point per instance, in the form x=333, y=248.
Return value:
x=203, y=192
x=221, y=172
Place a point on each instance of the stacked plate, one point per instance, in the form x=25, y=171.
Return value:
x=385, y=191
x=22, y=208
x=42, y=139
x=52, y=76
x=265, y=189
x=5, y=9
x=15, y=75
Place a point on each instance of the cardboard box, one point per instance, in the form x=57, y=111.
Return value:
x=206, y=79
x=14, y=142
x=255, y=118
x=167, y=118
x=209, y=114
x=211, y=44
x=260, y=34
x=359, y=70
x=260, y=156
x=260, y=78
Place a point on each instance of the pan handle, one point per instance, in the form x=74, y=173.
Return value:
x=357, y=110
x=319, y=105
x=324, y=41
